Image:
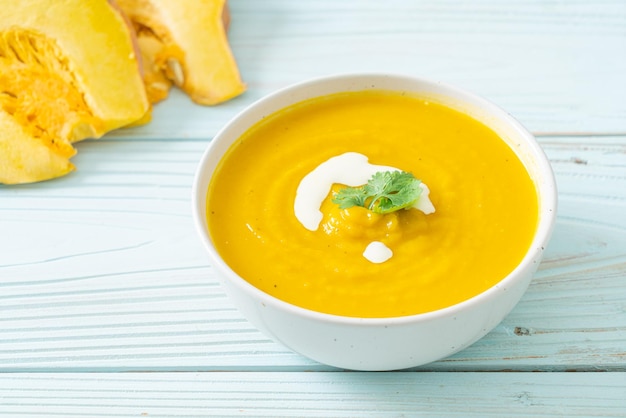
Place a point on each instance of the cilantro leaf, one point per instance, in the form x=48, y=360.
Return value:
x=385, y=192
x=350, y=196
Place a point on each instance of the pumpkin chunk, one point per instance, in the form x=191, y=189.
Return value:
x=68, y=71
x=184, y=43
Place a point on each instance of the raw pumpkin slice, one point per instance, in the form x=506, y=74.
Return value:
x=185, y=43
x=25, y=158
x=68, y=71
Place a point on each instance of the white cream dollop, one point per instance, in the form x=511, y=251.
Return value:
x=423, y=203
x=377, y=252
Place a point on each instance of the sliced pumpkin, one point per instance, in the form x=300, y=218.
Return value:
x=68, y=71
x=184, y=43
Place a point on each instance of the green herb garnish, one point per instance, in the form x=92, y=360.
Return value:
x=385, y=192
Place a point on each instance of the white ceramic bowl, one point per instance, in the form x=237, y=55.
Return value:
x=381, y=343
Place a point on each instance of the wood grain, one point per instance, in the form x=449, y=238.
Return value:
x=297, y=394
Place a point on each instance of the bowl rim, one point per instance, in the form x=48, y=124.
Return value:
x=547, y=199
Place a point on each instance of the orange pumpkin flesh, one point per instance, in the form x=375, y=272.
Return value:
x=68, y=71
x=184, y=43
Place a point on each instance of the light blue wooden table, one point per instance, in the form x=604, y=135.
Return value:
x=108, y=306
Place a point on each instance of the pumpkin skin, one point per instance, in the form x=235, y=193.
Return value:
x=68, y=71
x=184, y=43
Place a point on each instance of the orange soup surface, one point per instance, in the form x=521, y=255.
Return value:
x=485, y=207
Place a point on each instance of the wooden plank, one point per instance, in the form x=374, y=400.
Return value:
x=556, y=66
x=275, y=394
x=117, y=278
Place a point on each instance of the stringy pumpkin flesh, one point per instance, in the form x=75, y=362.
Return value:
x=62, y=81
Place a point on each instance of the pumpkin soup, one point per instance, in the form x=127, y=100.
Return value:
x=274, y=214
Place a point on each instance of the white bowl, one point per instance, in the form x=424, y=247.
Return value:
x=381, y=343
